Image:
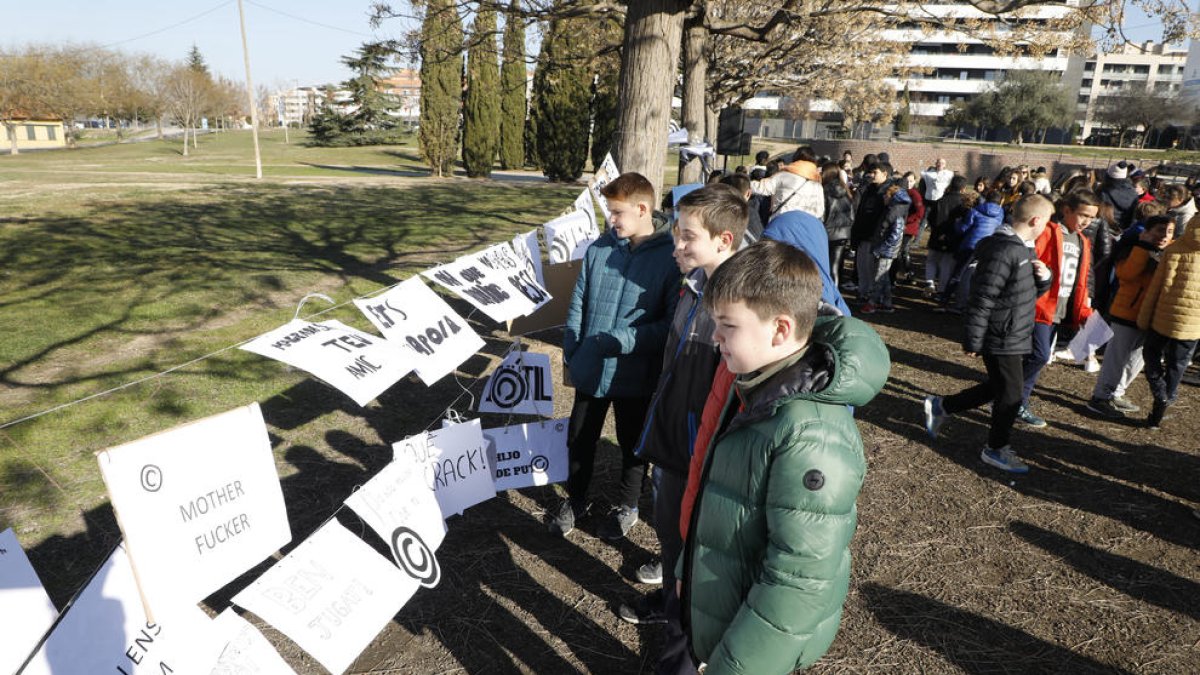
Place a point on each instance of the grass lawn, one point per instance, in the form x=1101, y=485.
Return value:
x=121, y=261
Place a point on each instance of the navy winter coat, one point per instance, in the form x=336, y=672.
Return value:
x=886, y=241
x=620, y=311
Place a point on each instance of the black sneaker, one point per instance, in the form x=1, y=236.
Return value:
x=1026, y=416
x=562, y=521
x=620, y=520
x=1105, y=407
x=648, y=609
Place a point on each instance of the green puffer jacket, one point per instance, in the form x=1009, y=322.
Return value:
x=766, y=565
x=621, y=309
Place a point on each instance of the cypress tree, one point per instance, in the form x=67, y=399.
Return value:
x=513, y=106
x=561, y=102
x=441, y=84
x=604, y=113
x=481, y=116
x=904, y=115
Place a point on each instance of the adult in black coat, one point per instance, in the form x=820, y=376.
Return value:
x=839, y=217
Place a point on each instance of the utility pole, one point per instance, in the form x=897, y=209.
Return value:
x=250, y=94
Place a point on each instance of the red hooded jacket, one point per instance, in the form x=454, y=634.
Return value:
x=1049, y=249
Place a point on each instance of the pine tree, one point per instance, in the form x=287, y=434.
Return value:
x=441, y=84
x=370, y=65
x=561, y=102
x=481, y=115
x=195, y=60
x=513, y=106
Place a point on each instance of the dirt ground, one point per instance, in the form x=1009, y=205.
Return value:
x=1087, y=564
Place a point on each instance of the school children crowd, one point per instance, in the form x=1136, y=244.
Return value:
x=717, y=333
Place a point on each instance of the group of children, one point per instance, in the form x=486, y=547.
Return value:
x=733, y=369
x=1020, y=296
x=729, y=369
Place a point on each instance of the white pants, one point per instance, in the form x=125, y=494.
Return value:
x=1122, y=362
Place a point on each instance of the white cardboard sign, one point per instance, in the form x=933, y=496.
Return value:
x=454, y=463
x=106, y=631
x=199, y=505
x=495, y=280
x=520, y=385
x=245, y=651
x=331, y=595
x=527, y=249
x=358, y=365
x=435, y=338
x=585, y=203
x=525, y=455
x=603, y=176
x=404, y=512
x=26, y=612
x=568, y=236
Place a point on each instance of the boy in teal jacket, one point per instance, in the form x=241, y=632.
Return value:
x=613, y=342
x=766, y=564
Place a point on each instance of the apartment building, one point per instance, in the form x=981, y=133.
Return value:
x=1130, y=69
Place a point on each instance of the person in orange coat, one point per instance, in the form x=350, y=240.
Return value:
x=1068, y=254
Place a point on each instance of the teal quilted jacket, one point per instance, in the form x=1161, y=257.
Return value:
x=620, y=313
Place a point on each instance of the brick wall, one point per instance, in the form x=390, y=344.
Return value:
x=971, y=161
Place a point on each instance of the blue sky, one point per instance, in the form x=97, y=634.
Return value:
x=292, y=41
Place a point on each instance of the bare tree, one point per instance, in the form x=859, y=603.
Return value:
x=187, y=100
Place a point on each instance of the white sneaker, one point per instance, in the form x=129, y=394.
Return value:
x=1092, y=365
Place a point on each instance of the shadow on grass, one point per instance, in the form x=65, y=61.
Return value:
x=972, y=642
x=173, y=262
x=1135, y=579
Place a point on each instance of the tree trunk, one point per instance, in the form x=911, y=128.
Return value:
x=12, y=138
x=195, y=144
x=158, y=126
x=649, y=62
x=695, y=78
x=185, y=141
x=712, y=120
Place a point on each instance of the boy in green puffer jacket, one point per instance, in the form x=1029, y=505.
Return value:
x=766, y=564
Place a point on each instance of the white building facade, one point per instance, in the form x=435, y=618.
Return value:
x=1130, y=69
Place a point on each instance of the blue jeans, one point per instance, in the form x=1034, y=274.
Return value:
x=1043, y=336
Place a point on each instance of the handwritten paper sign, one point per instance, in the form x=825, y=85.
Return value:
x=527, y=249
x=495, y=280
x=244, y=651
x=331, y=595
x=524, y=455
x=106, y=631
x=358, y=365
x=568, y=236
x=520, y=385
x=435, y=338
x=453, y=460
x=603, y=176
x=27, y=611
x=403, y=511
x=199, y=505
